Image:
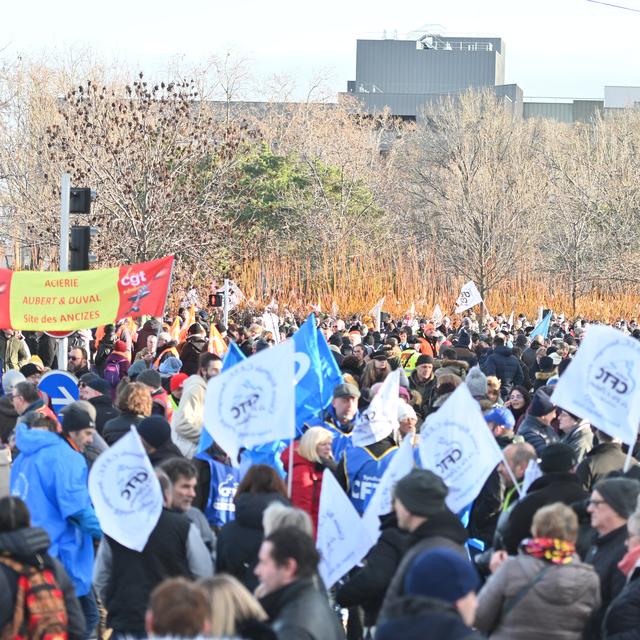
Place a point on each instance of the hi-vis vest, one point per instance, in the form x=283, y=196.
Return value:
x=172, y=351
x=364, y=471
x=223, y=485
x=408, y=359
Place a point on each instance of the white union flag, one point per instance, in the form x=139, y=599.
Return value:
x=469, y=297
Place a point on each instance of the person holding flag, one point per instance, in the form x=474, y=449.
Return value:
x=340, y=417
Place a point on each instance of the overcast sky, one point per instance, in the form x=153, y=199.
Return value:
x=561, y=48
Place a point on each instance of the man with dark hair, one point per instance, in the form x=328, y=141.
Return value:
x=193, y=349
x=78, y=361
x=97, y=392
x=187, y=421
x=287, y=563
x=504, y=365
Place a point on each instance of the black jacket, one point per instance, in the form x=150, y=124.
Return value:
x=604, y=555
x=503, y=364
x=536, y=433
x=190, y=354
x=29, y=546
x=550, y=488
x=486, y=509
x=421, y=618
x=167, y=451
x=104, y=411
x=299, y=611
x=622, y=619
x=426, y=389
x=600, y=462
x=368, y=585
x=119, y=426
x=239, y=541
x=46, y=351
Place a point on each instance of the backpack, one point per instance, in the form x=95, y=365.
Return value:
x=40, y=612
x=112, y=373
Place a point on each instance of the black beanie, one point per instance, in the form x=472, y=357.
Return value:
x=75, y=418
x=423, y=359
x=621, y=494
x=557, y=458
x=155, y=431
x=422, y=492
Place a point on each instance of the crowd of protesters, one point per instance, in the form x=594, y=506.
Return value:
x=233, y=554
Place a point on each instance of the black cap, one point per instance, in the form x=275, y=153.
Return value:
x=96, y=383
x=76, y=418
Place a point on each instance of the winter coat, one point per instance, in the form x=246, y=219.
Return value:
x=150, y=328
x=8, y=418
x=604, y=555
x=542, y=378
x=486, y=509
x=46, y=351
x=506, y=367
x=441, y=530
x=104, y=411
x=306, y=483
x=600, y=462
x=622, y=619
x=368, y=585
x=51, y=478
x=427, y=391
x=558, y=607
x=550, y=488
x=580, y=440
x=190, y=354
x=119, y=426
x=187, y=420
x=239, y=540
x=421, y=618
x=123, y=369
x=301, y=611
x=468, y=356
x=457, y=367
x=105, y=349
x=13, y=352
x=29, y=546
x=536, y=433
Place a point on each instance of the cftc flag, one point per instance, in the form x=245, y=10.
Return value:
x=602, y=383
x=437, y=316
x=381, y=416
x=469, y=297
x=125, y=492
x=456, y=444
x=253, y=402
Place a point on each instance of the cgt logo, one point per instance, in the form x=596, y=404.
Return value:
x=133, y=279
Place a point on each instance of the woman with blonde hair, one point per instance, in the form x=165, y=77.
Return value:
x=493, y=391
x=234, y=611
x=311, y=456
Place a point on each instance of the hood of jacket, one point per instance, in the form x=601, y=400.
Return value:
x=199, y=342
x=30, y=441
x=24, y=544
x=444, y=524
x=250, y=507
x=556, y=477
x=503, y=351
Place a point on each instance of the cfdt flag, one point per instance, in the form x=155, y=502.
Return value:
x=602, y=383
x=253, y=402
x=457, y=445
x=125, y=492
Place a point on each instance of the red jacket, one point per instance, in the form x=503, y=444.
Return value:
x=305, y=485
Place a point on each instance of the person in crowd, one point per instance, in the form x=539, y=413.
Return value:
x=611, y=503
x=24, y=552
x=134, y=403
x=558, y=483
x=446, y=384
x=97, y=392
x=340, y=417
x=439, y=596
x=296, y=608
x=27, y=400
x=51, y=478
x=312, y=454
x=148, y=353
x=518, y=403
x=104, y=347
x=476, y=382
x=278, y=515
x=448, y=364
x=545, y=592
x=536, y=427
x=493, y=391
x=504, y=365
x=79, y=430
x=14, y=352
x=193, y=348
x=176, y=388
x=125, y=579
x=239, y=540
x=167, y=348
x=8, y=413
x=606, y=457
x=234, y=612
x=419, y=505
x=155, y=433
x=576, y=433
x=423, y=380
x=187, y=421
x=183, y=476
x=502, y=424
x=160, y=398
x=116, y=366
x=32, y=372
x=78, y=361
x=178, y=608
x=153, y=326
x=622, y=618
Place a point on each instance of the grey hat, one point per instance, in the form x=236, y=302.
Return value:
x=476, y=382
x=422, y=492
x=621, y=494
x=10, y=379
x=346, y=390
x=150, y=377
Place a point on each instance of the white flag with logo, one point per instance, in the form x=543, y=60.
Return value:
x=271, y=322
x=602, y=383
x=343, y=539
x=381, y=502
x=253, y=402
x=437, y=316
x=380, y=418
x=125, y=492
x=469, y=297
x=457, y=445
x=376, y=313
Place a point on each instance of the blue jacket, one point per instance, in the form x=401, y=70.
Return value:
x=341, y=433
x=504, y=365
x=52, y=479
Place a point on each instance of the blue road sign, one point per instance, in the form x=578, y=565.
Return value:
x=62, y=389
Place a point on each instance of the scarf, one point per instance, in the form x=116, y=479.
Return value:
x=552, y=550
x=629, y=561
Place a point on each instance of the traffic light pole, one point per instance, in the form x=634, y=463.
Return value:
x=65, y=190
x=225, y=304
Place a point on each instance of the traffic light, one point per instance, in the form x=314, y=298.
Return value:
x=79, y=255
x=80, y=199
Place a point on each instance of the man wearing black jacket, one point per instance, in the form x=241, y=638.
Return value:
x=97, y=392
